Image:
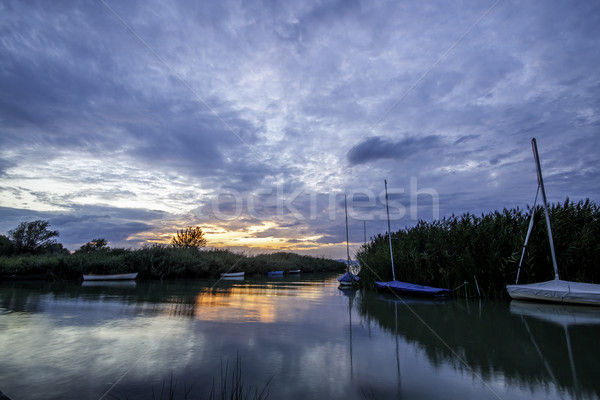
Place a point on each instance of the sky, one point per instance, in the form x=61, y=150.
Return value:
x=130, y=120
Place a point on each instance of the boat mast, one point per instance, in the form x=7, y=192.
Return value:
x=541, y=185
x=389, y=229
x=347, y=245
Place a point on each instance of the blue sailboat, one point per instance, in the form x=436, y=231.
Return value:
x=404, y=287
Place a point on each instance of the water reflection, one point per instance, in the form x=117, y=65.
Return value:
x=316, y=342
x=529, y=345
x=566, y=317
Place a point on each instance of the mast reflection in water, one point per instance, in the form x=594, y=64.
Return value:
x=314, y=341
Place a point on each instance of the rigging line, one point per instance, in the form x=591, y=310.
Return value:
x=228, y=270
x=159, y=340
x=148, y=349
x=178, y=77
x=434, y=333
x=428, y=70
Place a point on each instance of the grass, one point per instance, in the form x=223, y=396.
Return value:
x=231, y=387
x=450, y=251
x=158, y=262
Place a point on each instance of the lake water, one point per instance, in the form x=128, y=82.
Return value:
x=301, y=336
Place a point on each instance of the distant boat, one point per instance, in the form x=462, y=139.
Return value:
x=232, y=278
x=294, y=271
x=110, y=277
x=231, y=274
x=555, y=290
x=348, y=279
x=404, y=287
x=275, y=273
x=110, y=283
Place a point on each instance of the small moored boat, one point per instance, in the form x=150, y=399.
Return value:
x=413, y=289
x=556, y=290
x=232, y=274
x=275, y=273
x=110, y=277
x=405, y=287
x=348, y=280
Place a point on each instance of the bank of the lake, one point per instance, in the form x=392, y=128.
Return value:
x=485, y=250
x=161, y=262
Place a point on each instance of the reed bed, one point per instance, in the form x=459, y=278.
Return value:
x=485, y=250
x=161, y=262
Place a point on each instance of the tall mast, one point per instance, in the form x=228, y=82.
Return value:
x=541, y=185
x=347, y=245
x=389, y=229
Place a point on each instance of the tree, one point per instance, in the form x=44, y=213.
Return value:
x=94, y=245
x=6, y=246
x=189, y=237
x=32, y=237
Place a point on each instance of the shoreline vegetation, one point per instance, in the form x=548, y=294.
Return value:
x=484, y=251
x=476, y=256
x=159, y=262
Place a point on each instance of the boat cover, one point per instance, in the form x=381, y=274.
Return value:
x=557, y=291
x=411, y=288
x=348, y=277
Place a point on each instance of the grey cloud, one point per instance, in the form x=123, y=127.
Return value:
x=375, y=148
x=306, y=86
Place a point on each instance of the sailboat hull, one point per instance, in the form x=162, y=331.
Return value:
x=348, y=279
x=411, y=289
x=557, y=291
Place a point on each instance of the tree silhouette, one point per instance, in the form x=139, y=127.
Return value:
x=33, y=237
x=6, y=246
x=192, y=236
x=94, y=245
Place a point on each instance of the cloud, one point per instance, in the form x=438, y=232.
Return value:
x=324, y=97
x=376, y=148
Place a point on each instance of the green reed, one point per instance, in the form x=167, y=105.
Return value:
x=161, y=262
x=487, y=248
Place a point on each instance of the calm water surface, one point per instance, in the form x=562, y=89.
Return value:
x=310, y=339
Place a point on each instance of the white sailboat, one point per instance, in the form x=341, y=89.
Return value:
x=556, y=290
x=348, y=279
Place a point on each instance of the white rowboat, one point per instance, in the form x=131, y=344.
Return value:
x=110, y=277
x=231, y=274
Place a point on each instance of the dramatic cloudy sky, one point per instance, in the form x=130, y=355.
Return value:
x=129, y=120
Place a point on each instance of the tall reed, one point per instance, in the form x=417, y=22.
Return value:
x=487, y=248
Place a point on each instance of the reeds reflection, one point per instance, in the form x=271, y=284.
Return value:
x=522, y=345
